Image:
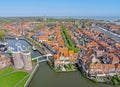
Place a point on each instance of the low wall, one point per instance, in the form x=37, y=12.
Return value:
x=31, y=76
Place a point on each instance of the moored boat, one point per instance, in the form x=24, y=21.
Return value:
x=34, y=48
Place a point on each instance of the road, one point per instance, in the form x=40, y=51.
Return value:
x=110, y=34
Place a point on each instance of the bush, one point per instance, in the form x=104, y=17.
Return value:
x=76, y=50
x=118, y=79
x=95, y=80
x=115, y=82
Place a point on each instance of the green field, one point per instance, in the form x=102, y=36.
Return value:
x=21, y=84
x=9, y=78
x=7, y=70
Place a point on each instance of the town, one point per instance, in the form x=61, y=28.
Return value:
x=69, y=45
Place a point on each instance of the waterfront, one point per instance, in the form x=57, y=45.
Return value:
x=12, y=42
x=46, y=77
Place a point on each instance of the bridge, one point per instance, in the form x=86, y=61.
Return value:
x=42, y=58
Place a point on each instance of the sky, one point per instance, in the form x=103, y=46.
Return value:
x=59, y=8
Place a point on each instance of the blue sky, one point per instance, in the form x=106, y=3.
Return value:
x=59, y=7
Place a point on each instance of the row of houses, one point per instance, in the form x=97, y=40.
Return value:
x=5, y=61
x=110, y=27
x=99, y=55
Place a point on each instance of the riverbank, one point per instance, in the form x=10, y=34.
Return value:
x=69, y=69
x=111, y=80
x=46, y=77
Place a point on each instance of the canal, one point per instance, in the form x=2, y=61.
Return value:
x=108, y=33
x=13, y=42
x=46, y=77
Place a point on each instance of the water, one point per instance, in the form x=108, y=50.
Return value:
x=46, y=77
x=13, y=42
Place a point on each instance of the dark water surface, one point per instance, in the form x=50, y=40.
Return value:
x=13, y=42
x=46, y=77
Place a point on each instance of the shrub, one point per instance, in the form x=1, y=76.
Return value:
x=95, y=80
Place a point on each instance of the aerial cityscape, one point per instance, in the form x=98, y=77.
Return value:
x=60, y=43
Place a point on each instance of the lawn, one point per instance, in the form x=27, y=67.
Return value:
x=23, y=82
x=11, y=79
x=7, y=70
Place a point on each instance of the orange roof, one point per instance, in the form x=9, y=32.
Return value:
x=42, y=37
x=92, y=44
x=117, y=45
x=56, y=56
x=64, y=51
x=103, y=43
x=118, y=66
x=114, y=27
x=71, y=52
x=81, y=47
x=29, y=33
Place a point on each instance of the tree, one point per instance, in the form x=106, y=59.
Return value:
x=2, y=35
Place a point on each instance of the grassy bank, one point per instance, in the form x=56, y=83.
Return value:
x=6, y=70
x=22, y=83
x=8, y=77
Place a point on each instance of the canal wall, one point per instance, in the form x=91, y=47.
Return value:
x=38, y=45
x=31, y=76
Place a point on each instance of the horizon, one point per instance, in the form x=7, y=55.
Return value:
x=105, y=18
x=30, y=8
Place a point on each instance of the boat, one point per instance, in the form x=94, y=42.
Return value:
x=16, y=38
x=34, y=48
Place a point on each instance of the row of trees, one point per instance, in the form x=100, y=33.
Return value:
x=2, y=35
x=68, y=41
x=67, y=38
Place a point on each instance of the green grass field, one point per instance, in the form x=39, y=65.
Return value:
x=7, y=70
x=23, y=82
x=9, y=78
